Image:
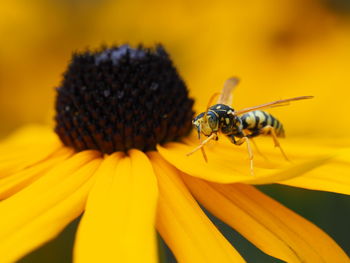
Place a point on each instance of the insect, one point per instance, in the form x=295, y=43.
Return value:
x=239, y=126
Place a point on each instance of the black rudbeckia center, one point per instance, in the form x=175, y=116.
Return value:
x=121, y=98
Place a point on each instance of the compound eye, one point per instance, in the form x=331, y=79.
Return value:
x=212, y=119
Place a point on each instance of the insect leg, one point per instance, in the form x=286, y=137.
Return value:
x=251, y=136
x=251, y=156
x=271, y=130
x=258, y=150
x=249, y=149
x=211, y=137
x=232, y=139
x=203, y=151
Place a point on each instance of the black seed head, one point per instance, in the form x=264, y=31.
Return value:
x=121, y=98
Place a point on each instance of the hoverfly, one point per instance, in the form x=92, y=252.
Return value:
x=239, y=126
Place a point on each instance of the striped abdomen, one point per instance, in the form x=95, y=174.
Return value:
x=256, y=120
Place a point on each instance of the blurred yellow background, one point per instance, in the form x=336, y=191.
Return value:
x=279, y=49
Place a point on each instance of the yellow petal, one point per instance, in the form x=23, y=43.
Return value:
x=26, y=147
x=183, y=225
x=118, y=225
x=316, y=164
x=11, y=184
x=273, y=228
x=40, y=211
x=226, y=166
x=45, y=227
x=19, y=158
x=332, y=177
x=292, y=171
x=31, y=135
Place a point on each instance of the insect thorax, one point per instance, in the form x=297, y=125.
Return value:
x=228, y=122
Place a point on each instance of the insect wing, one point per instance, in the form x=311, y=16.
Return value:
x=277, y=103
x=226, y=95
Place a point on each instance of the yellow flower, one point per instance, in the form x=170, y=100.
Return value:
x=134, y=175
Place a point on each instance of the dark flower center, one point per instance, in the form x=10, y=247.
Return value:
x=121, y=98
